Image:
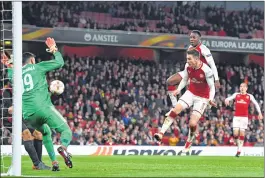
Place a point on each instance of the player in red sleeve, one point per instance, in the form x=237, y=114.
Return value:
x=200, y=93
x=240, y=120
x=205, y=57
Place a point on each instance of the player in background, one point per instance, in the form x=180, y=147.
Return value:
x=200, y=93
x=32, y=138
x=240, y=120
x=205, y=56
x=37, y=107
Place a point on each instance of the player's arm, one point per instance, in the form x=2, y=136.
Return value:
x=209, y=58
x=53, y=64
x=210, y=82
x=57, y=62
x=8, y=62
x=228, y=99
x=253, y=100
x=184, y=80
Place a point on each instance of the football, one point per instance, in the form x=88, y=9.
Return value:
x=56, y=87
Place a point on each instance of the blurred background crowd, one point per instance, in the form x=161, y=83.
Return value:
x=122, y=101
x=243, y=20
x=177, y=18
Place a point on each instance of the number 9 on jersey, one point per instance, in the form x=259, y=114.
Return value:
x=56, y=87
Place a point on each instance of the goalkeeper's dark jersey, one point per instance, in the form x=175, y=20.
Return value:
x=35, y=87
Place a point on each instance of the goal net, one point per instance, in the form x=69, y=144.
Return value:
x=10, y=125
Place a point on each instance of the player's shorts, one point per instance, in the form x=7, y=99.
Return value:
x=47, y=115
x=25, y=126
x=188, y=99
x=240, y=122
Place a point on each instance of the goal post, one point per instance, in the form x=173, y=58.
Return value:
x=17, y=88
x=13, y=168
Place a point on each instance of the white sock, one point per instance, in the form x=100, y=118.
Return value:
x=190, y=139
x=173, y=99
x=167, y=123
x=240, y=145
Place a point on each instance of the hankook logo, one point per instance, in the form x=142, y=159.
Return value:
x=108, y=151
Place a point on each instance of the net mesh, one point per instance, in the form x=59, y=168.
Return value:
x=5, y=124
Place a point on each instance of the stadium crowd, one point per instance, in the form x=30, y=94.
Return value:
x=118, y=101
x=177, y=18
x=123, y=101
x=147, y=16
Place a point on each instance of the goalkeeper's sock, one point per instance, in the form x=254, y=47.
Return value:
x=240, y=143
x=47, y=141
x=171, y=96
x=38, y=148
x=66, y=135
x=190, y=139
x=29, y=147
x=168, y=121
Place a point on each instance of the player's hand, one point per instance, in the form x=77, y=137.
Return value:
x=175, y=92
x=211, y=103
x=260, y=116
x=10, y=109
x=6, y=61
x=227, y=103
x=217, y=84
x=52, y=48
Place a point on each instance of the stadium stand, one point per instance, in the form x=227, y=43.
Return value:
x=115, y=101
x=177, y=18
x=103, y=109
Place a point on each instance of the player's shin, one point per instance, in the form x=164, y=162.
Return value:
x=38, y=148
x=236, y=132
x=66, y=137
x=190, y=139
x=171, y=96
x=38, y=143
x=47, y=141
x=29, y=147
x=240, y=144
x=168, y=121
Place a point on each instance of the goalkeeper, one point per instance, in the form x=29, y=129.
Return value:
x=37, y=108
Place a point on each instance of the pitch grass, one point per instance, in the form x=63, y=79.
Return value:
x=151, y=166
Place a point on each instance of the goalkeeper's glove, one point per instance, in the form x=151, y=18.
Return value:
x=52, y=48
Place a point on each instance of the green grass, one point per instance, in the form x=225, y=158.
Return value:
x=152, y=166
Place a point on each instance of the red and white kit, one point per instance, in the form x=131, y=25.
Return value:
x=242, y=101
x=206, y=57
x=201, y=88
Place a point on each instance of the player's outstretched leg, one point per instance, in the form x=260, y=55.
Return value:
x=194, y=118
x=236, y=136
x=168, y=121
x=38, y=143
x=57, y=122
x=29, y=147
x=47, y=141
x=189, y=141
x=66, y=137
x=240, y=142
